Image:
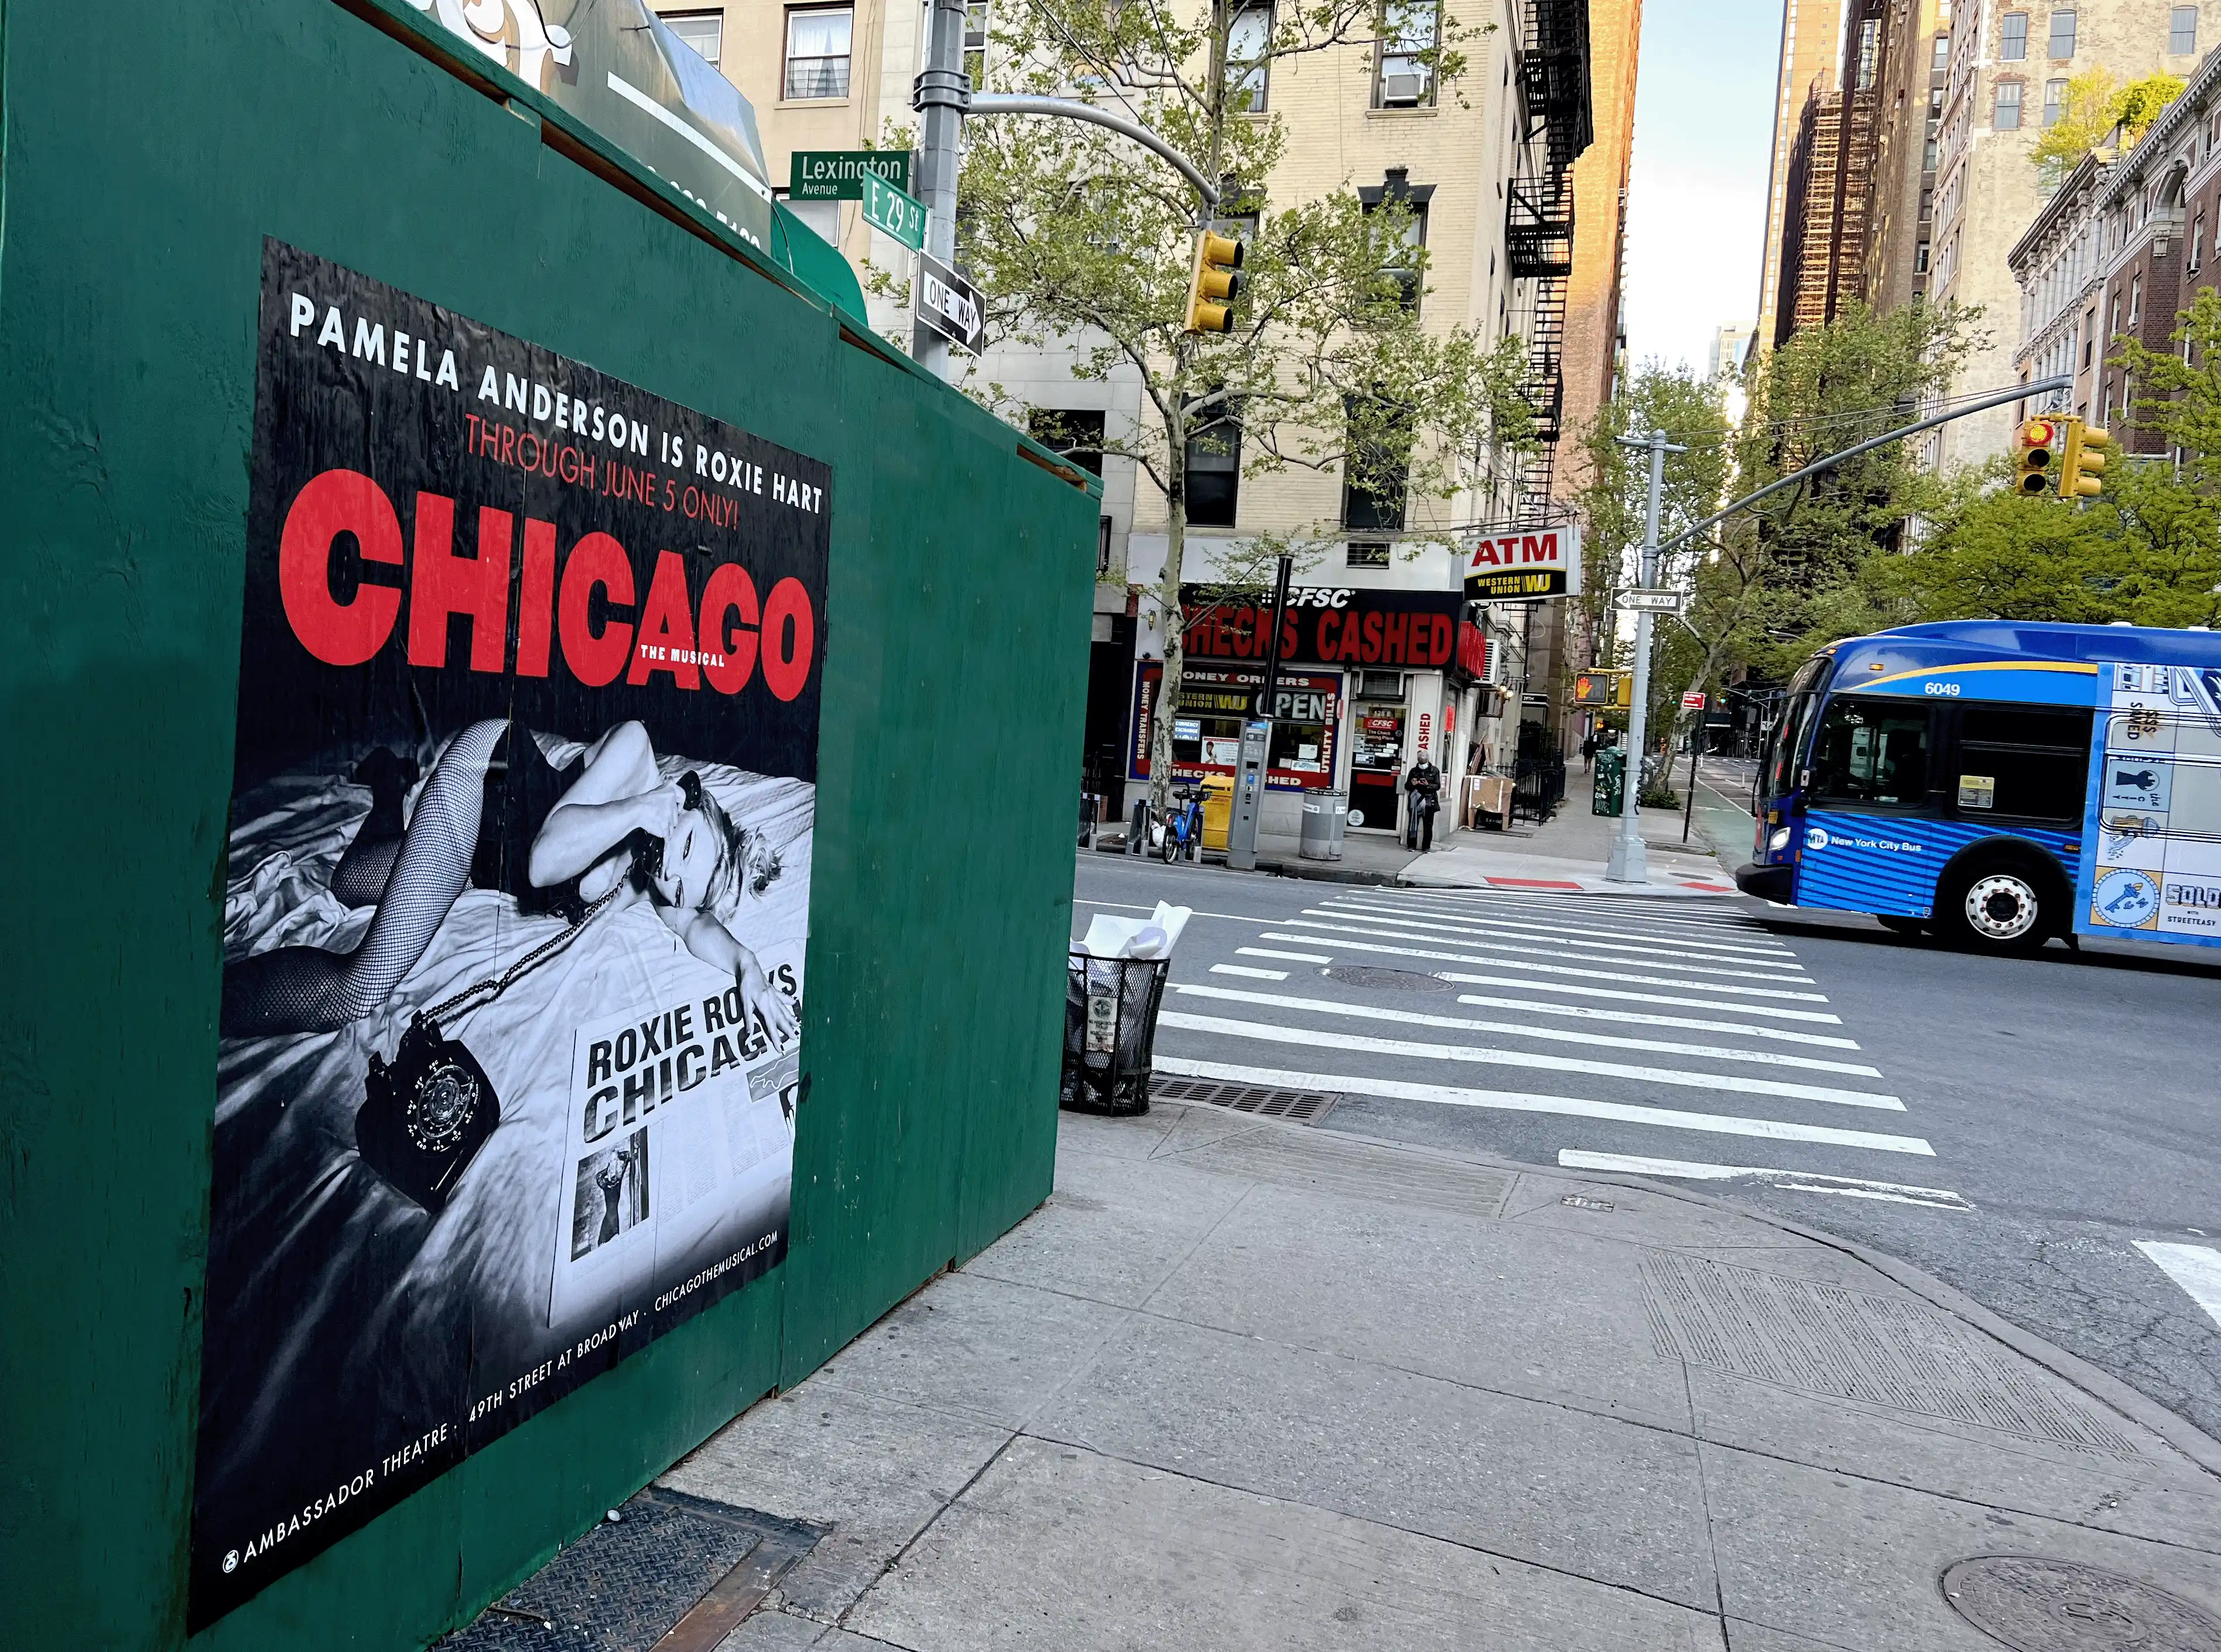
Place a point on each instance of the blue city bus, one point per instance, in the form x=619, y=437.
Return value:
x=2000, y=784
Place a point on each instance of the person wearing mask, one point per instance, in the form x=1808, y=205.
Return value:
x=1423, y=785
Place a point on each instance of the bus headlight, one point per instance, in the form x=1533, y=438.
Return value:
x=1779, y=840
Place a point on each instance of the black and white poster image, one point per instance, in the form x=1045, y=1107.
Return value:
x=517, y=901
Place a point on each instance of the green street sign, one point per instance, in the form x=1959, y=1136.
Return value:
x=896, y=211
x=839, y=174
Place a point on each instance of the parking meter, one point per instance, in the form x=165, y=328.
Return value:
x=1248, y=797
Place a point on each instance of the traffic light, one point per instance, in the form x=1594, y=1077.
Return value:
x=1604, y=690
x=2032, y=472
x=2084, y=457
x=1214, y=286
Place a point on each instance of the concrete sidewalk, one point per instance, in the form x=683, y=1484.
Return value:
x=1242, y=1384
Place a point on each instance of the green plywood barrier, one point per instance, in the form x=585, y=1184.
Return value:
x=145, y=182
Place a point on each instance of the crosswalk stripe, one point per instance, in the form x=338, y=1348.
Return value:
x=1792, y=1181
x=1772, y=1130
x=1547, y=969
x=1254, y=975
x=1293, y=957
x=1531, y=986
x=1554, y=1034
x=1716, y=954
x=1528, y=921
x=1637, y=1018
x=1560, y=907
x=2196, y=1268
x=1483, y=1054
x=1413, y=932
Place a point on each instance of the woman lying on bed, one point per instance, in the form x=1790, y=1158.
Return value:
x=496, y=813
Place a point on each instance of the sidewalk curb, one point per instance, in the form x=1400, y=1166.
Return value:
x=2185, y=1437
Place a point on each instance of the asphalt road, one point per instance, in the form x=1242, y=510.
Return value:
x=2016, y=1127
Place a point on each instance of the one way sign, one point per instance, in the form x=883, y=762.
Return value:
x=948, y=305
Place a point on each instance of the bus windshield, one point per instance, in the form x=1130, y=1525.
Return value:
x=1780, y=767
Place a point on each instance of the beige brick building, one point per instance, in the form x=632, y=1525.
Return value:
x=1488, y=163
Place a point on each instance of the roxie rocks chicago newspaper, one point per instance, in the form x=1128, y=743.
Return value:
x=517, y=905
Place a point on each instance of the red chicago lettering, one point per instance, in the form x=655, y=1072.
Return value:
x=535, y=599
x=441, y=583
x=790, y=638
x=667, y=627
x=338, y=502
x=596, y=562
x=728, y=656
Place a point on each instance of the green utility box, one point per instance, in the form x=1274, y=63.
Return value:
x=481, y=638
x=1609, y=789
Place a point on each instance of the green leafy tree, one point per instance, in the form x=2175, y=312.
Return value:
x=1081, y=242
x=2148, y=550
x=2097, y=105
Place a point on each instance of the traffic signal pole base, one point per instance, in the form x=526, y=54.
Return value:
x=1629, y=862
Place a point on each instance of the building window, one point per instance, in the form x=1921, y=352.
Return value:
x=2196, y=243
x=2182, y=30
x=1927, y=202
x=1077, y=433
x=2054, y=101
x=818, y=53
x=2007, y=116
x=2062, y=34
x=1214, y=473
x=1409, y=30
x=975, y=42
x=2135, y=301
x=2012, y=40
x=1920, y=258
x=703, y=30
x=1248, y=59
x=1941, y=59
x=1928, y=156
x=1376, y=475
x=1936, y=103
x=1368, y=553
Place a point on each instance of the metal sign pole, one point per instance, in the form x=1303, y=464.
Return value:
x=1630, y=863
x=942, y=93
x=1269, y=708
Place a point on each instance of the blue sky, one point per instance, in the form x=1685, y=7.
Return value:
x=1696, y=200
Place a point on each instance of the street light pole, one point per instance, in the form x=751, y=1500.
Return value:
x=1630, y=863
x=941, y=94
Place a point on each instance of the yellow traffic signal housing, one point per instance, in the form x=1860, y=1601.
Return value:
x=1214, y=285
x=1604, y=690
x=2032, y=470
x=2081, y=461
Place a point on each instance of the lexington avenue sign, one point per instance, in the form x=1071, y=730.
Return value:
x=1521, y=564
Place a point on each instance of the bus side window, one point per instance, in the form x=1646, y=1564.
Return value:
x=2029, y=761
x=1871, y=751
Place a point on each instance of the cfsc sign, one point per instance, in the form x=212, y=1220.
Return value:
x=1521, y=564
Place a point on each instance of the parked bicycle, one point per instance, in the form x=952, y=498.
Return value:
x=1183, y=826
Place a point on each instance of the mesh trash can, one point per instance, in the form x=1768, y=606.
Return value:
x=1110, y=1031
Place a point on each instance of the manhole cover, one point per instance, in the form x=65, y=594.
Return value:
x=674, y=1571
x=2040, y=1606
x=1395, y=980
x=1305, y=1106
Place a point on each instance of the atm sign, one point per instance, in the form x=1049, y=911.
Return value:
x=1520, y=565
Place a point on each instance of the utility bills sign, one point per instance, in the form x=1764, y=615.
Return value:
x=1520, y=564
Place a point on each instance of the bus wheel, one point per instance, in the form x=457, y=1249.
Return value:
x=2001, y=906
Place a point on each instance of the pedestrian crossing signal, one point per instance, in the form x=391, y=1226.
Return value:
x=2032, y=472
x=1215, y=284
x=1604, y=690
x=2084, y=458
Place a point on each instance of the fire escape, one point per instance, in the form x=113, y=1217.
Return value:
x=1553, y=91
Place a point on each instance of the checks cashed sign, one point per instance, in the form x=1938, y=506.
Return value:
x=1515, y=564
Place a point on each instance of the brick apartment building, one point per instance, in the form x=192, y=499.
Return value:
x=2120, y=251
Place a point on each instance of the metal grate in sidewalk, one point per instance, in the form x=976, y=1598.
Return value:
x=672, y=1574
x=1303, y=1106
